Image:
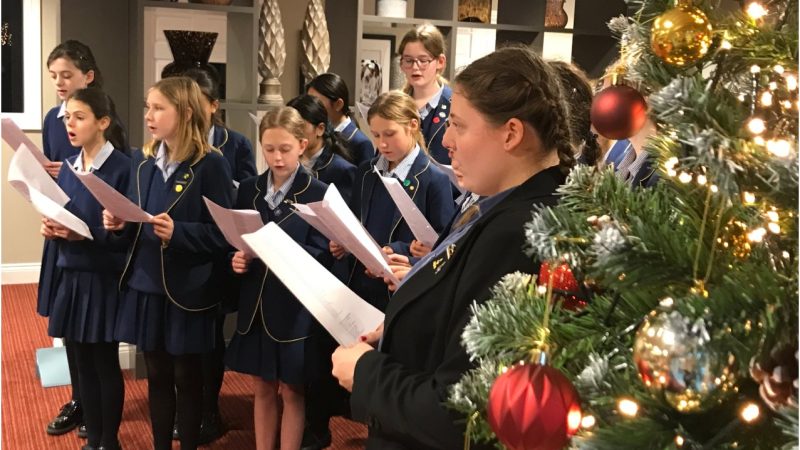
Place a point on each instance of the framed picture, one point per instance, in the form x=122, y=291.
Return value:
x=379, y=48
x=22, y=63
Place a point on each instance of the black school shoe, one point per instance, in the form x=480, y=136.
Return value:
x=68, y=419
x=211, y=429
x=313, y=442
x=82, y=433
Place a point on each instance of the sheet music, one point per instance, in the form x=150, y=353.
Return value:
x=111, y=199
x=419, y=225
x=344, y=314
x=233, y=223
x=25, y=172
x=15, y=137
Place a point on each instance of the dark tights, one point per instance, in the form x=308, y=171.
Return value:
x=166, y=375
x=72, y=363
x=213, y=371
x=103, y=391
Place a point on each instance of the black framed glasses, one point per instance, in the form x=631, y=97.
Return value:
x=408, y=62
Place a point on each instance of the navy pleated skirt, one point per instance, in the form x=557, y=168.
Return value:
x=154, y=323
x=85, y=307
x=258, y=354
x=48, y=278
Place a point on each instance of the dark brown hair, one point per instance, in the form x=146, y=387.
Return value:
x=432, y=39
x=578, y=90
x=81, y=56
x=516, y=82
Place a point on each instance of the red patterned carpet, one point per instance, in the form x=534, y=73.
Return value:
x=27, y=407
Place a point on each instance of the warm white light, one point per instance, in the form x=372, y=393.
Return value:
x=749, y=197
x=786, y=104
x=628, y=407
x=714, y=188
x=758, y=140
x=671, y=163
x=574, y=421
x=773, y=216
x=756, y=11
x=750, y=412
x=588, y=422
x=756, y=125
x=779, y=147
x=766, y=98
x=701, y=180
x=772, y=85
x=755, y=69
x=774, y=228
x=666, y=302
x=756, y=235
x=791, y=82
x=679, y=440
x=542, y=289
x=778, y=68
x=725, y=45
x=684, y=177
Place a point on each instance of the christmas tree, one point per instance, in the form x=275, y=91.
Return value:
x=671, y=311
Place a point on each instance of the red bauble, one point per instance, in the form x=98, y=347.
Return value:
x=565, y=286
x=533, y=407
x=618, y=112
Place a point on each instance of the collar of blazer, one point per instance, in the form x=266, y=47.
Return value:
x=323, y=161
x=349, y=131
x=410, y=184
x=220, y=137
x=436, y=119
x=539, y=186
x=301, y=183
x=182, y=179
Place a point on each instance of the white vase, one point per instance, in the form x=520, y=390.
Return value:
x=392, y=8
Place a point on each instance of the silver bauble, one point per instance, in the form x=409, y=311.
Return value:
x=673, y=357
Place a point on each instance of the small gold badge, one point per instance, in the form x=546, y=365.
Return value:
x=186, y=176
x=411, y=188
x=178, y=188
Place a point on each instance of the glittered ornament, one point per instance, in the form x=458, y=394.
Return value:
x=533, y=406
x=673, y=357
x=618, y=112
x=565, y=287
x=681, y=35
x=776, y=373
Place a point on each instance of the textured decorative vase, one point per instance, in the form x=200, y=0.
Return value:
x=271, y=53
x=554, y=14
x=391, y=8
x=474, y=10
x=190, y=50
x=314, y=38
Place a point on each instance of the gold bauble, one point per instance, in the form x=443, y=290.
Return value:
x=681, y=36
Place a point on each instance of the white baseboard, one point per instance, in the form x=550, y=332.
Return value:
x=22, y=273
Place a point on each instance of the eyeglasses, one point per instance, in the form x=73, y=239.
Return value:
x=409, y=62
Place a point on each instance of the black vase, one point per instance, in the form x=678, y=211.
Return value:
x=190, y=50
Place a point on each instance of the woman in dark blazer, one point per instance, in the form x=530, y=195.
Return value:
x=511, y=145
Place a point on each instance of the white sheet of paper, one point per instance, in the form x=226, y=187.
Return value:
x=15, y=137
x=419, y=225
x=52, y=210
x=233, y=223
x=116, y=203
x=25, y=173
x=339, y=222
x=344, y=314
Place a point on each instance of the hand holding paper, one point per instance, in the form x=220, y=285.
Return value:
x=233, y=223
x=117, y=204
x=343, y=313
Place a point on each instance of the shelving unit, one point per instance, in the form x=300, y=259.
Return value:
x=517, y=21
x=241, y=72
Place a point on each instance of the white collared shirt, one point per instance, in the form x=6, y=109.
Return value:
x=431, y=105
x=62, y=111
x=312, y=160
x=402, y=168
x=99, y=159
x=344, y=123
x=211, y=135
x=273, y=197
x=167, y=168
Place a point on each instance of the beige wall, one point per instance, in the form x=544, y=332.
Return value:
x=20, y=238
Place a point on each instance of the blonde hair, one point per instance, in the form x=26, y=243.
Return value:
x=399, y=107
x=284, y=117
x=432, y=39
x=192, y=143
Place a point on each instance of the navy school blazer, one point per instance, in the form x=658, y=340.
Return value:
x=433, y=127
x=361, y=147
x=197, y=248
x=331, y=168
x=400, y=391
x=237, y=150
x=285, y=319
x=429, y=189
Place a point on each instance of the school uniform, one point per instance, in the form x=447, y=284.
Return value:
x=273, y=328
x=434, y=117
x=172, y=289
x=236, y=149
x=56, y=147
x=85, y=304
x=360, y=146
x=429, y=189
x=635, y=169
x=400, y=391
